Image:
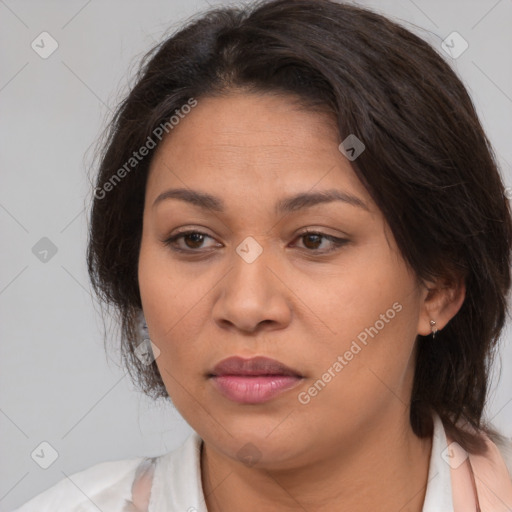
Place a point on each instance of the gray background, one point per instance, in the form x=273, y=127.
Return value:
x=57, y=385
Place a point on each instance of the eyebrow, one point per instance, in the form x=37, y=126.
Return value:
x=286, y=205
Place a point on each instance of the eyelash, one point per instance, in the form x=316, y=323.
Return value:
x=337, y=242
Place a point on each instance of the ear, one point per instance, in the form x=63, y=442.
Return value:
x=442, y=299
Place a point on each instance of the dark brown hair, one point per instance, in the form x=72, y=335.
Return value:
x=428, y=166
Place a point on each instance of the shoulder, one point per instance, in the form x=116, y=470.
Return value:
x=106, y=484
x=127, y=485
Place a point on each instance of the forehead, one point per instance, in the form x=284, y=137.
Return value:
x=252, y=143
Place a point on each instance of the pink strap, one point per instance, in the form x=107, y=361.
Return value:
x=480, y=483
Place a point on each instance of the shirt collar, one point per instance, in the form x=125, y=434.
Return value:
x=438, y=496
x=177, y=480
x=182, y=468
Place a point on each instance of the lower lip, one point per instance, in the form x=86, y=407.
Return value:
x=253, y=390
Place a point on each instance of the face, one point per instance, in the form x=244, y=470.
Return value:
x=338, y=305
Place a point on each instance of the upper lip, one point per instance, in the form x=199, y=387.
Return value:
x=254, y=366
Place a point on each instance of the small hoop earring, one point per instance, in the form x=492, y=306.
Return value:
x=433, y=327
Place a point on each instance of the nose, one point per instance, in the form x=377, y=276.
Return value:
x=253, y=296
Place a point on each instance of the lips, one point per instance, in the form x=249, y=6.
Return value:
x=256, y=366
x=253, y=381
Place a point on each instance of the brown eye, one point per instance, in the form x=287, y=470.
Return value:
x=193, y=241
x=312, y=241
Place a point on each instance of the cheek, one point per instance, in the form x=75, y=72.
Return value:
x=372, y=314
x=169, y=316
x=175, y=307
x=370, y=293
x=162, y=303
x=165, y=293
x=366, y=371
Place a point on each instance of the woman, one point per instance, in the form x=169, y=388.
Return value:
x=299, y=202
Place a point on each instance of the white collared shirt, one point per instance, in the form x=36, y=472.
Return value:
x=438, y=496
x=177, y=483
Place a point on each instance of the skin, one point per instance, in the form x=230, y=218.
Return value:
x=351, y=447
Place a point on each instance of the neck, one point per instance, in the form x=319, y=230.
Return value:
x=385, y=468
